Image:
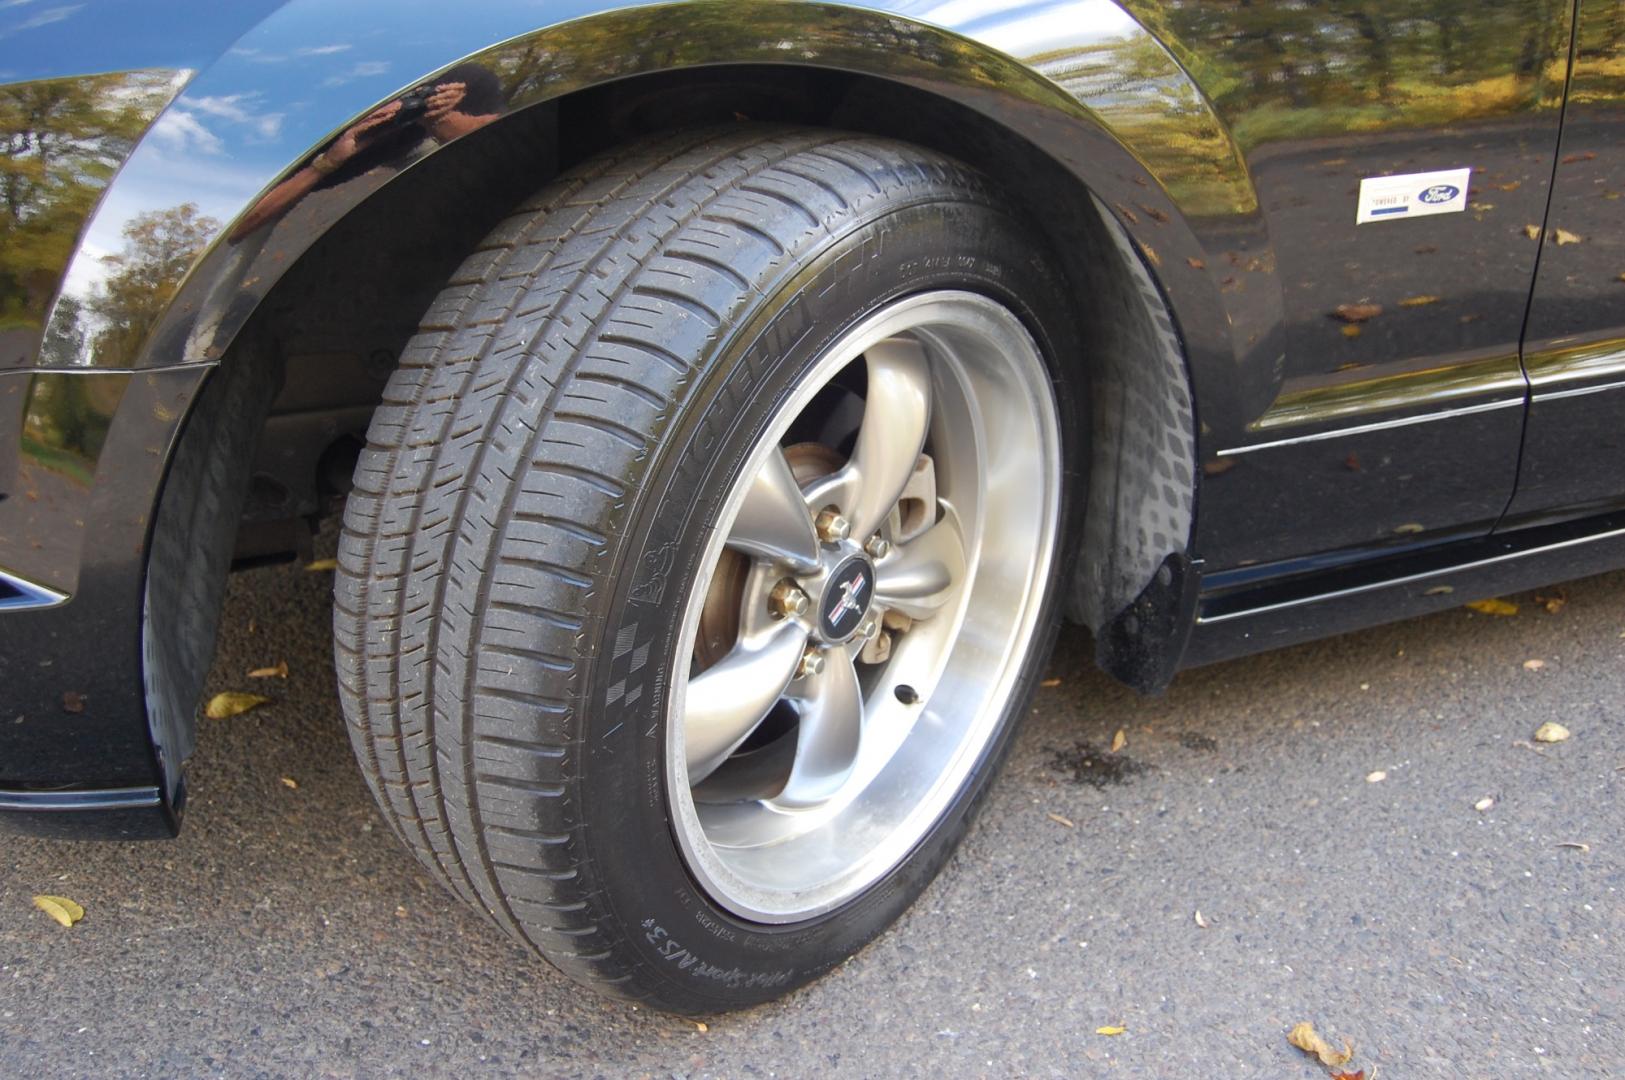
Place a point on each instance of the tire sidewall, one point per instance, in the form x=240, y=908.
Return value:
x=709, y=957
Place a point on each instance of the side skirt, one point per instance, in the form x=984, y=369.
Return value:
x=1236, y=616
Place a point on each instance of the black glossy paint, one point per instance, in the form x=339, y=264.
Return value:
x=1225, y=137
x=1574, y=450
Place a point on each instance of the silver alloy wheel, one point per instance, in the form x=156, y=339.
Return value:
x=806, y=758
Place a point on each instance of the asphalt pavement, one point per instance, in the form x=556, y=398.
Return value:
x=286, y=933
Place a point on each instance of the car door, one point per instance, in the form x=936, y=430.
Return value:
x=1400, y=150
x=1574, y=351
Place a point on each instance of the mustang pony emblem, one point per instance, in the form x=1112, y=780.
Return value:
x=849, y=593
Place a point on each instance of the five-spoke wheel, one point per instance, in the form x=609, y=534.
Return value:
x=873, y=538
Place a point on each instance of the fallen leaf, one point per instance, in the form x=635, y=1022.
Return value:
x=1533, y=665
x=1532, y=231
x=1493, y=607
x=1050, y=682
x=1352, y=463
x=1151, y=253
x=229, y=704
x=1110, y=1029
x=1356, y=313
x=1550, y=732
x=73, y=701
x=290, y=782
x=60, y=908
x=1376, y=778
x=1512, y=186
x=1553, y=603
x=1306, y=1038
x=1481, y=206
x=1589, y=155
x=1119, y=740
x=1563, y=236
x=1351, y=331
x=1410, y=528
x=1437, y=590
x=1483, y=804
x=1575, y=844
x=701, y=1026
x=1360, y=1075
x=1129, y=215
x=1200, y=920
x=1220, y=466
x=1059, y=820
x=323, y=564
x=278, y=672
x=1154, y=214
x=1421, y=300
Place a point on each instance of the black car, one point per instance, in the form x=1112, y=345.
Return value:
x=726, y=402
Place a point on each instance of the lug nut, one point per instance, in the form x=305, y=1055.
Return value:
x=812, y=663
x=878, y=547
x=832, y=526
x=787, y=601
x=869, y=629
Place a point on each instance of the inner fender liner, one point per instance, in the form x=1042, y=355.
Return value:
x=1142, y=477
x=190, y=552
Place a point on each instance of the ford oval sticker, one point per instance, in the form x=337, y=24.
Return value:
x=1384, y=198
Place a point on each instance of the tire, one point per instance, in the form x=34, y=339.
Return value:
x=533, y=550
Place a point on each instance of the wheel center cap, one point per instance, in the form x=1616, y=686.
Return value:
x=847, y=592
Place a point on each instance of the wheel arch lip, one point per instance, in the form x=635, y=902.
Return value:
x=1082, y=80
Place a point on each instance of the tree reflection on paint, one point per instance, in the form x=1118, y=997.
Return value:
x=60, y=142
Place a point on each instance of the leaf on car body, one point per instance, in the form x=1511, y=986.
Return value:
x=1551, y=732
x=1532, y=231
x=1306, y=1038
x=60, y=908
x=1563, y=236
x=1493, y=607
x=1356, y=313
x=280, y=671
x=1419, y=301
x=224, y=706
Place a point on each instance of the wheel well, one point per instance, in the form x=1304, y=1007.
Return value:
x=341, y=315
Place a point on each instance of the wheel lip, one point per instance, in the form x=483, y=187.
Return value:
x=700, y=856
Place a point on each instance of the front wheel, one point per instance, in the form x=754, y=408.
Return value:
x=704, y=552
